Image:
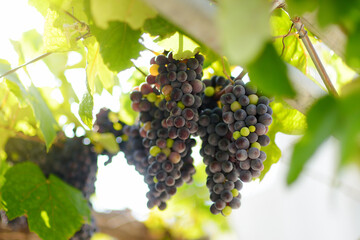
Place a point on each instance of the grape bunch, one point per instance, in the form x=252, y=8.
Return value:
x=169, y=160
x=248, y=117
x=181, y=86
x=223, y=177
x=232, y=137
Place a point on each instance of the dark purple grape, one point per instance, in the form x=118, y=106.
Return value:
x=218, y=188
x=245, y=176
x=235, y=203
x=226, y=196
x=265, y=119
x=228, y=117
x=256, y=164
x=188, y=100
x=218, y=177
x=244, y=100
x=241, y=155
x=251, y=109
x=253, y=137
x=181, y=76
x=240, y=115
x=264, y=140
x=253, y=153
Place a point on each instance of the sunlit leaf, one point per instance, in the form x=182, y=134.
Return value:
x=292, y=50
x=48, y=203
x=86, y=109
x=159, y=26
x=181, y=46
x=118, y=45
x=132, y=12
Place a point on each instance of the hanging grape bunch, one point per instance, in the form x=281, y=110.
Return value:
x=232, y=138
x=230, y=117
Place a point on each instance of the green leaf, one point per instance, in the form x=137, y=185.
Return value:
x=106, y=140
x=159, y=27
x=54, y=209
x=273, y=154
x=182, y=46
x=293, y=51
x=61, y=30
x=118, y=45
x=95, y=67
x=43, y=114
x=48, y=124
x=322, y=120
x=352, y=53
x=132, y=12
x=269, y=73
x=329, y=12
x=286, y=119
x=86, y=108
x=241, y=44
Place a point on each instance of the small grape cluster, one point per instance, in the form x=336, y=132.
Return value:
x=232, y=138
x=248, y=117
x=222, y=180
x=166, y=166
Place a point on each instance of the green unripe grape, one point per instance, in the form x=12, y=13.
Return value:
x=181, y=105
x=154, y=150
x=245, y=132
x=235, y=106
x=235, y=192
x=253, y=99
x=167, y=151
x=209, y=91
x=169, y=143
x=236, y=135
x=226, y=211
x=151, y=97
x=252, y=128
x=256, y=145
x=155, y=180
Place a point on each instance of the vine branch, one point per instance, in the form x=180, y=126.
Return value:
x=314, y=56
x=25, y=64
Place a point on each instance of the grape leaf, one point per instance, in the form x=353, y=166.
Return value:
x=273, y=154
x=118, y=45
x=159, y=27
x=43, y=114
x=269, y=73
x=132, y=12
x=48, y=124
x=322, y=119
x=55, y=210
x=293, y=52
x=329, y=12
x=86, y=109
x=352, y=53
x=62, y=30
x=244, y=42
x=286, y=120
x=96, y=69
x=182, y=46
